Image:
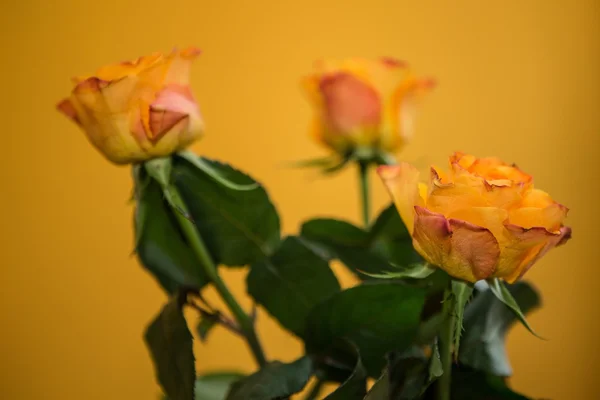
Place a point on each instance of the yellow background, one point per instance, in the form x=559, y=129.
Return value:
x=517, y=79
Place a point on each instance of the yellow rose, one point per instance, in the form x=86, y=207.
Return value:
x=484, y=219
x=363, y=103
x=134, y=111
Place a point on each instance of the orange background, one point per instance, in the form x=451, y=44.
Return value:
x=518, y=79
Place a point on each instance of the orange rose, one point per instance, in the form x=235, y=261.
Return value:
x=363, y=104
x=137, y=110
x=482, y=220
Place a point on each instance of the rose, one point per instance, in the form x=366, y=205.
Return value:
x=363, y=104
x=137, y=110
x=484, y=219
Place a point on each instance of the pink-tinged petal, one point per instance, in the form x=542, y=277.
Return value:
x=92, y=84
x=350, y=103
x=391, y=62
x=402, y=182
x=526, y=248
x=473, y=246
x=67, y=108
x=162, y=121
x=464, y=250
x=431, y=236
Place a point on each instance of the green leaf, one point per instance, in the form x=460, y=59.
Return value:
x=160, y=246
x=378, y=317
x=390, y=238
x=215, y=173
x=354, y=387
x=170, y=345
x=504, y=295
x=291, y=282
x=468, y=384
x=487, y=320
x=387, y=247
x=274, y=381
x=215, y=385
x=238, y=227
x=346, y=242
x=429, y=329
x=205, y=326
x=461, y=291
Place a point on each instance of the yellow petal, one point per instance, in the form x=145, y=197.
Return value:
x=526, y=247
x=550, y=218
x=402, y=182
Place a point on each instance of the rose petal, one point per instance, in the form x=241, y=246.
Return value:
x=526, y=248
x=67, y=108
x=464, y=250
x=402, y=182
x=350, y=103
x=550, y=218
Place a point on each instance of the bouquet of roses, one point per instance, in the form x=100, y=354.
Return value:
x=440, y=268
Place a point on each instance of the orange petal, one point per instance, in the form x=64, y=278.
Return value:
x=402, y=182
x=550, y=218
x=350, y=103
x=67, y=108
x=526, y=248
x=464, y=250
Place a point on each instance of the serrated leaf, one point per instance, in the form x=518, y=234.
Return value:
x=291, y=282
x=461, y=291
x=170, y=345
x=274, y=381
x=160, y=246
x=354, y=387
x=215, y=173
x=503, y=294
x=238, y=227
x=377, y=317
x=486, y=322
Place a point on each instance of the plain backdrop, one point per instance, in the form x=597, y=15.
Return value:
x=517, y=79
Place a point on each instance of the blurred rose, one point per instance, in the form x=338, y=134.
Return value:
x=363, y=104
x=137, y=110
x=483, y=219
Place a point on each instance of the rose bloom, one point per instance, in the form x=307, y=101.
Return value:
x=483, y=219
x=137, y=110
x=363, y=103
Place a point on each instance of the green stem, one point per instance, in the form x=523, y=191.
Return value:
x=316, y=389
x=445, y=343
x=199, y=248
x=363, y=170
